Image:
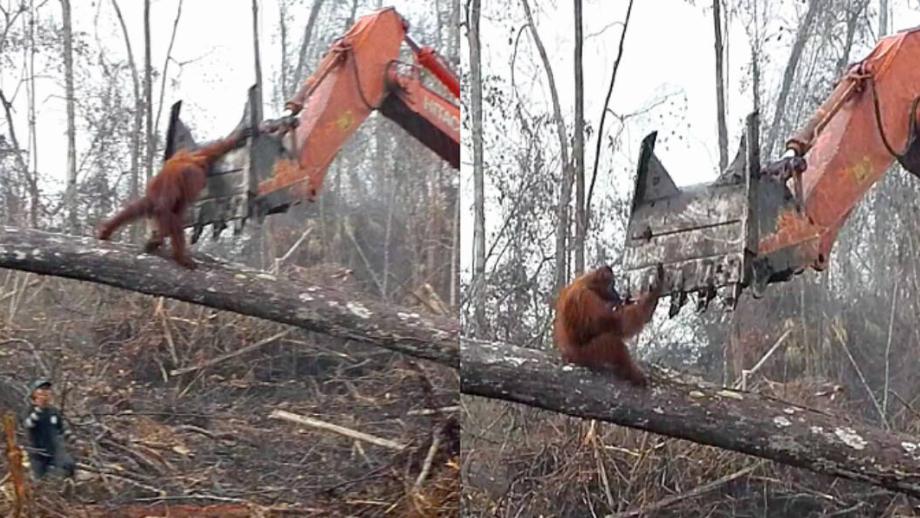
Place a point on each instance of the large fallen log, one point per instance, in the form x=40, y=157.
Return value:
x=729, y=419
x=234, y=288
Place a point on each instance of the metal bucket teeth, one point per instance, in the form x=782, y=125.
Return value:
x=196, y=232
x=232, y=181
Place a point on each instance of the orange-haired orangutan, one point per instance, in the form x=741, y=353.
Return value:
x=170, y=192
x=592, y=323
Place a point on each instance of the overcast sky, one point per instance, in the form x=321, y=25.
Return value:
x=668, y=50
x=214, y=41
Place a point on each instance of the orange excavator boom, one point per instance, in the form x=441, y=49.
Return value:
x=286, y=161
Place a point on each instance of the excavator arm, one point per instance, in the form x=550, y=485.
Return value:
x=286, y=161
x=758, y=225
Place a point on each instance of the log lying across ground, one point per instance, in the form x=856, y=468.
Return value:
x=234, y=288
x=739, y=421
x=728, y=419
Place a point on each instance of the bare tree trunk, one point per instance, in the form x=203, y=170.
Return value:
x=70, y=193
x=720, y=86
x=755, y=41
x=302, y=57
x=387, y=241
x=282, y=26
x=436, y=228
x=565, y=196
x=853, y=12
x=801, y=37
x=148, y=94
x=479, y=213
x=34, y=193
x=255, y=48
x=882, y=18
x=14, y=144
x=440, y=25
x=600, y=130
x=262, y=235
x=453, y=43
x=138, y=119
x=578, y=150
x=163, y=75
x=455, y=253
x=351, y=16
x=13, y=199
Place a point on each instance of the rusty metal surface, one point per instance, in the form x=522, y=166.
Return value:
x=286, y=161
x=704, y=235
x=231, y=181
x=789, y=213
x=849, y=155
x=697, y=206
x=422, y=113
x=348, y=85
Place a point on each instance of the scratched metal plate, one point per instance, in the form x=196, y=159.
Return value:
x=232, y=182
x=701, y=234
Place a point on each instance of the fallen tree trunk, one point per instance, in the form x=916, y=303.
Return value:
x=740, y=421
x=234, y=288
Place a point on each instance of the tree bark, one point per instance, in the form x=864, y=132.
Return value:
x=853, y=12
x=282, y=27
x=705, y=414
x=134, y=184
x=304, y=45
x=801, y=37
x=70, y=193
x=257, y=56
x=351, y=17
x=479, y=213
x=164, y=74
x=455, y=254
x=600, y=129
x=565, y=194
x=234, y=288
x=148, y=94
x=578, y=149
x=755, y=74
x=34, y=192
x=14, y=141
x=720, y=86
x=882, y=18
x=453, y=43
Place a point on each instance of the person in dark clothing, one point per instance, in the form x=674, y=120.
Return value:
x=47, y=432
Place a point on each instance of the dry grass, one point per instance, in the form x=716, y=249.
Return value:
x=519, y=461
x=147, y=439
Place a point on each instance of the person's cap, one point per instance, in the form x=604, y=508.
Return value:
x=37, y=384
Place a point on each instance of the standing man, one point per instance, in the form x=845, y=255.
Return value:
x=47, y=432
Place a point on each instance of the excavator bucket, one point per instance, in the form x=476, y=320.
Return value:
x=230, y=197
x=704, y=235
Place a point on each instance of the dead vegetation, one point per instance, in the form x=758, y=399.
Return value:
x=174, y=417
x=519, y=461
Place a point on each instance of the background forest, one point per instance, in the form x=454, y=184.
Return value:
x=539, y=73
x=85, y=89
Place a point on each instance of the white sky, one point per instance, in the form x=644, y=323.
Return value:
x=214, y=37
x=668, y=49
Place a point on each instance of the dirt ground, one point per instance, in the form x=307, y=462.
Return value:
x=201, y=443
